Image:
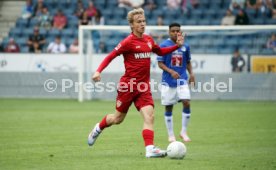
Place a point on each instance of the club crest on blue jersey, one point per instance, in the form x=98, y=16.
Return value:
x=183, y=49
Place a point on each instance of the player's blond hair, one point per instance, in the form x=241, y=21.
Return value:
x=134, y=12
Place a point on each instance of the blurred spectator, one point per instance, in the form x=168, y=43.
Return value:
x=1, y=47
x=74, y=47
x=129, y=4
x=160, y=20
x=27, y=10
x=91, y=10
x=79, y=10
x=185, y=4
x=98, y=19
x=241, y=18
x=39, y=7
x=271, y=5
x=173, y=4
x=150, y=5
x=36, y=41
x=271, y=42
x=157, y=34
x=253, y=4
x=60, y=20
x=57, y=46
x=84, y=19
x=102, y=48
x=228, y=19
x=45, y=19
x=237, y=5
x=12, y=47
x=237, y=62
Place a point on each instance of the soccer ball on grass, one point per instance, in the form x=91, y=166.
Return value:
x=176, y=150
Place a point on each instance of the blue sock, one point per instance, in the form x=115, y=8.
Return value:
x=168, y=113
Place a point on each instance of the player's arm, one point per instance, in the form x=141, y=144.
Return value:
x=120, y=49
x=190, y=68
x=166, y=50
x=97, y=75
x=173, y=73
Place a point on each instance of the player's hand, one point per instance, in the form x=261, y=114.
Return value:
x=175, y=75
x=192, y=80
x=97, y=76
x=180, y=39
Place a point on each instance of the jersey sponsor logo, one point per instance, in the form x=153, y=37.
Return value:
x=138, y=46
x=176, y=60
x=141, y=55
x=118, y=46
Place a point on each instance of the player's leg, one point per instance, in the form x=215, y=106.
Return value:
x=169, y=122
x=108, y=120
x=168, y=99
x=144, y=104
x=184, y=96
x=148, y=133
x=185, y=120
x=123, y=102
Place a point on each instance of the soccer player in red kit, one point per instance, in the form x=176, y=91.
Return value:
x=134, y=84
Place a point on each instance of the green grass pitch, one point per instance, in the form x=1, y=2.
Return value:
x=52, y=134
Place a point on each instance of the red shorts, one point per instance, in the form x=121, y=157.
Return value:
x=140, y=99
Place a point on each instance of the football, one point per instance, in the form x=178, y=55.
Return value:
x=176, y=150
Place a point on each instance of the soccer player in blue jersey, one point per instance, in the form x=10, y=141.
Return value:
x=175, y=87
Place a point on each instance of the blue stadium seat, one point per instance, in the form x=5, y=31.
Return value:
x=15, y=32
x=212, y=50
x=271, y=21
x=24, y=49
x=33, y=22
x=54, y=32
x=199, y=50
x=118, y=13
x=225, y=51
x=190, y=22
x=123, y=22
x=68, y=32
x=110, y=4
x=204, y=22
x=27, y=32
x=100, y=4
x=192, y=41
x=22, y=23
x=268, y=51
x=157, y=12
x=22, y=41
x=107, y=14
x=113, y=22
x=73, y=23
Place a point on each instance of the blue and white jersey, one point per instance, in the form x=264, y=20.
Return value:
x=176, y=61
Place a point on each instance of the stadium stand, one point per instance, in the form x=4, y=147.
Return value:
x=208, y=12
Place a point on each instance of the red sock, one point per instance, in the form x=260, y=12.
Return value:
x=103, y=123
x=148, y=136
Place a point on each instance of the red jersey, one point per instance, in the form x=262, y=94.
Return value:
x=136, y=52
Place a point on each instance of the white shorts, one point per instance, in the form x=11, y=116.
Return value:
x=171, y=95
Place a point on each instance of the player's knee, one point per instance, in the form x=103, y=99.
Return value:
x=150, y=118
x=186, y=103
